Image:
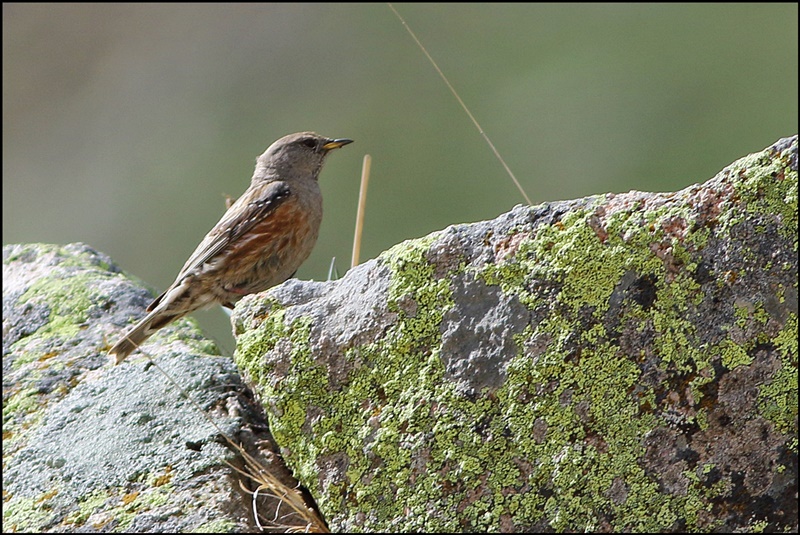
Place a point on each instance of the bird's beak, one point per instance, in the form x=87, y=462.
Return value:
x=336, y=143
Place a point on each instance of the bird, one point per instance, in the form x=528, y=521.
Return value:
x=260, y=241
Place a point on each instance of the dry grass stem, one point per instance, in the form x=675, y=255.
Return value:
x=464, y=106
x=362, y=201
x=301, y=518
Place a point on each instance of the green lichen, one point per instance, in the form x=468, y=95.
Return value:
x=67, y=255
x=778, y=399
x=22, y=411
x=760, y=314
x=87, y=506
x=251, y=344
x=306, y=378
x=22, y=514
x=20, y=404
x=786, y=341
x=732, y=354
x=113, y=508
x=404, y=374
x=148, y=499
x=401, y=367
x=579, y=476
x=742, y=314
x=180, y=331
x=117, y=505
x=766, y=187
x=69, y=300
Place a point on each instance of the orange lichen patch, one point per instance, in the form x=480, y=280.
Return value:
x=598, y=226
x=675, y=226
x=128, y=498
x=508, y=246
x=99, y=525
x=46, y=496
x=162, y=480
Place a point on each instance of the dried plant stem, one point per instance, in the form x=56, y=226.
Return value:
x=464, y=106
x=362, y=201
x=309, y=520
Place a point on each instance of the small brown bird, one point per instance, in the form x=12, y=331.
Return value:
x=260, y=241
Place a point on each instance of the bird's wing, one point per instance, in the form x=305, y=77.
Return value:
x=252, y=207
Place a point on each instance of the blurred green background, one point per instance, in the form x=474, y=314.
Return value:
x=124, y=125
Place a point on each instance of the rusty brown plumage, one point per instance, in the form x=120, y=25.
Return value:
x=260, y=241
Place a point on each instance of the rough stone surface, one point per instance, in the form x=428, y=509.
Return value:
x=618, y=363
x=88, y=447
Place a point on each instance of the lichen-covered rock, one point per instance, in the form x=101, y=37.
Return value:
x=88, y=447
x=619, y=363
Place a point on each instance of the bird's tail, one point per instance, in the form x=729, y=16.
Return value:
x=143, y=330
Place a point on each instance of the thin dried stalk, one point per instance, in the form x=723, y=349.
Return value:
x=300, y=517
x=362, y=201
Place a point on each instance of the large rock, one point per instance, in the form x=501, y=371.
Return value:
x=89, y=447
x=617, y=363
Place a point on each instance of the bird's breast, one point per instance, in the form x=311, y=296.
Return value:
x=272, y=250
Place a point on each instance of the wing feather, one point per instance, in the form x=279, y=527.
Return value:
x=236, y=222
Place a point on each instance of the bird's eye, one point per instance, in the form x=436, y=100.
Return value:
x=310, y=143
